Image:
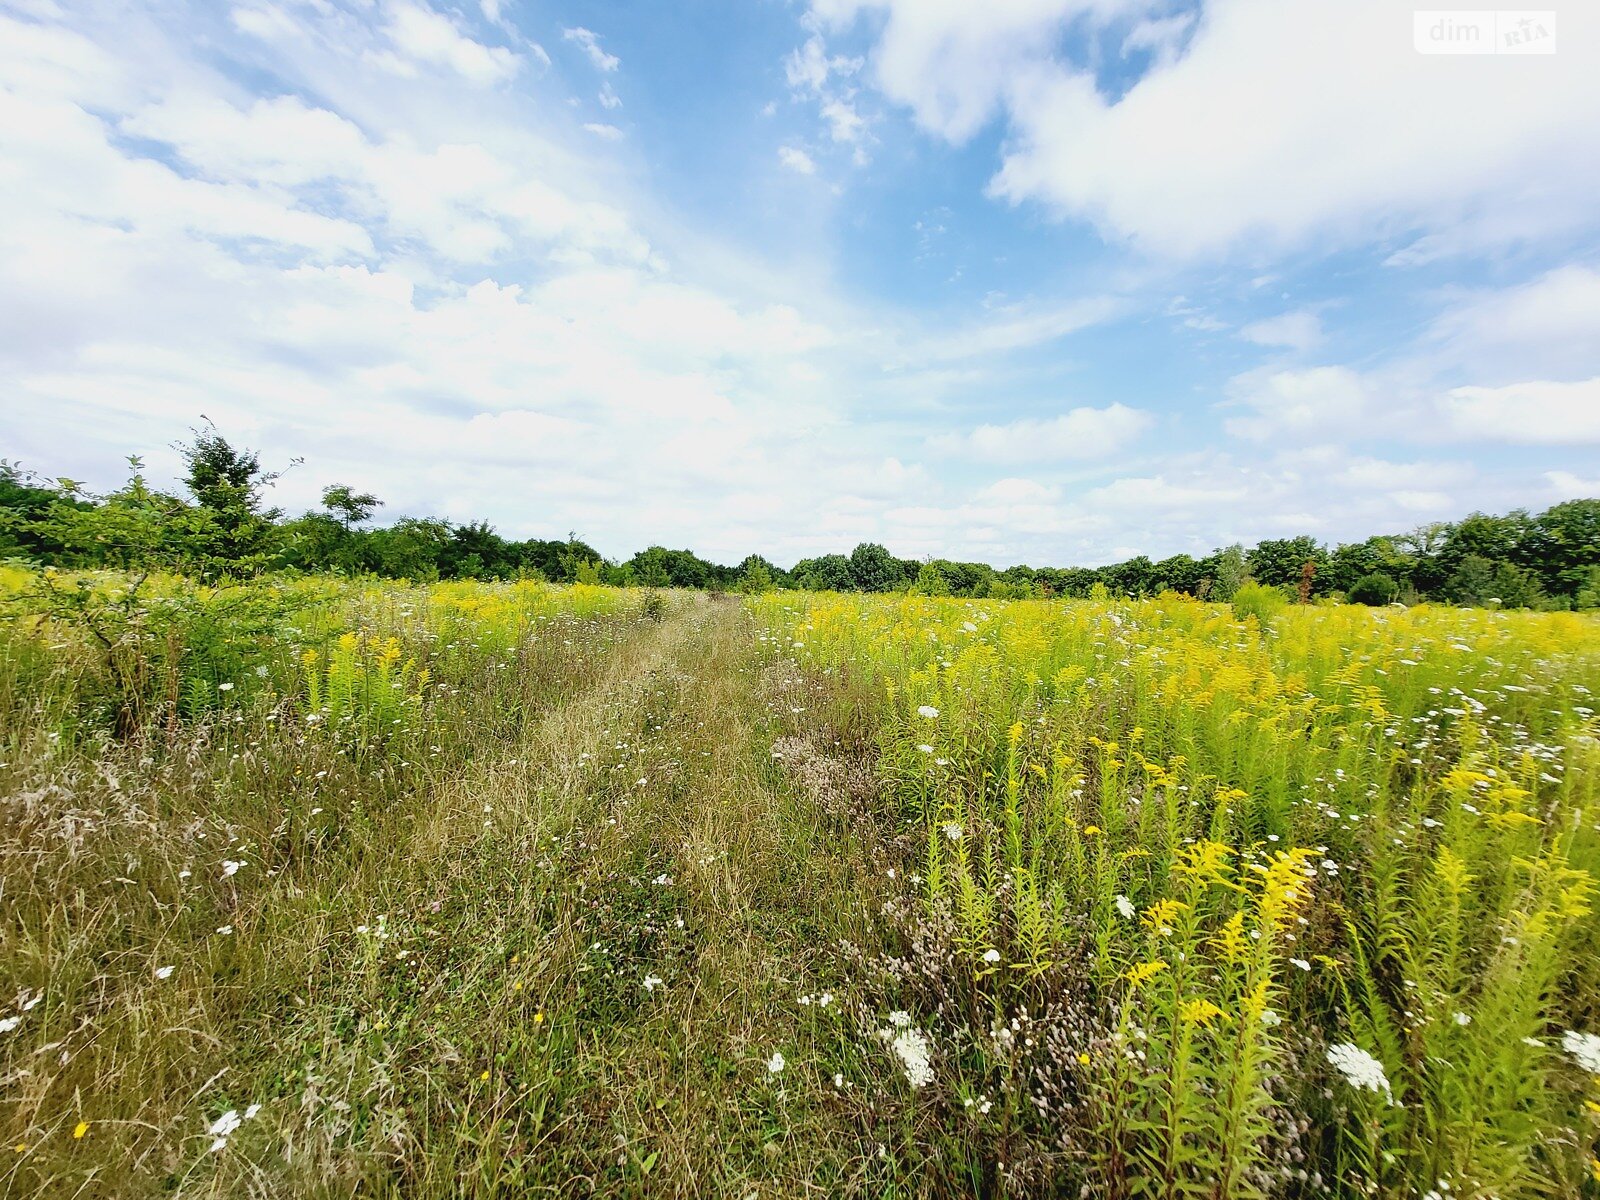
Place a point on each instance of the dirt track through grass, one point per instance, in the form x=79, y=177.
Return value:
x=562, y=965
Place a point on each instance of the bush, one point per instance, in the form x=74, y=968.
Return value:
x=1376, y=589
x=1259, y=601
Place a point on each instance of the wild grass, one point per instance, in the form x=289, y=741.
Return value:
x=1253, y=837
x=335, y=888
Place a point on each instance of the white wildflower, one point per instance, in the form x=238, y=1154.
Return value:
x=1359, y=1067
x=775, y=1064
x=165, y=972
x=1584, y=1048
x=652, y=982
x=231, y=867
x=991, y=955
x=929, y=711
x=1125, y=907
x=224, y=687
x=900, y=1019
x=911, y=1047
x=1301, y=963
x=925, y=748
x=953, y=831
x=1461, y=1018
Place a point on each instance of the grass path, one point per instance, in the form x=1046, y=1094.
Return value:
x=559, y=961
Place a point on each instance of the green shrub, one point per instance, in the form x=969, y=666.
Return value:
x=1376, y=589
x=1259, y=601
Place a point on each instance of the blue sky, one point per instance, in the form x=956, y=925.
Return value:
x=1054, y=281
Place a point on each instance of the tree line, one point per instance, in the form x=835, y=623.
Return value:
x=223, y=527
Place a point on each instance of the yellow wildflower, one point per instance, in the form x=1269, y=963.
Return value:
x=1198, y=1011
x=81, y=1129
x=1145, y=971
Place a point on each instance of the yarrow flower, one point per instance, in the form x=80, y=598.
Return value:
x=1584, y=1048
x=953, y=831
x=911, y=1047
x=925, y=748
x=775, y=1064
x=1359, y=1067
x=928, y=711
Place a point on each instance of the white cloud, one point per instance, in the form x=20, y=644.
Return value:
x=1311, y=404
x=1564, y=485
x=1016, y=327
x=1161, y=36
x=952, y=63
x=1537, y=413
x=1547, y=325
x=1078, y=434
x=844, y=122
x=797, y=160
x=589, y=42
x=608, y=96
x=1295, y=330
x=421, y=35
x=608, y=133
x=807, y=67
x=1278, y=124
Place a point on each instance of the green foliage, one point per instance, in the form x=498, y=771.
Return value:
x=350, y=507
x=930, y=581
x=227, y=532
x=1230, y=570
x=1588, y=596
x=1481, y=581
x=1376, y=589
x=1281, y=563
x=1518, y=560
x=874, y=569
x=1259, y=601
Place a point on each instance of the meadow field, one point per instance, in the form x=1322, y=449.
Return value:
x=326, y=887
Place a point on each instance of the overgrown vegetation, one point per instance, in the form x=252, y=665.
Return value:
x=1260, y=902
x=1549, y=560
x=331, y=887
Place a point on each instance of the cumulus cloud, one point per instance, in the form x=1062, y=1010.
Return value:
x=1301, y=405
x=1276, y=124
x=423, y=36
x=797, y=159
x=1080, y=433
x=1534, y=413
